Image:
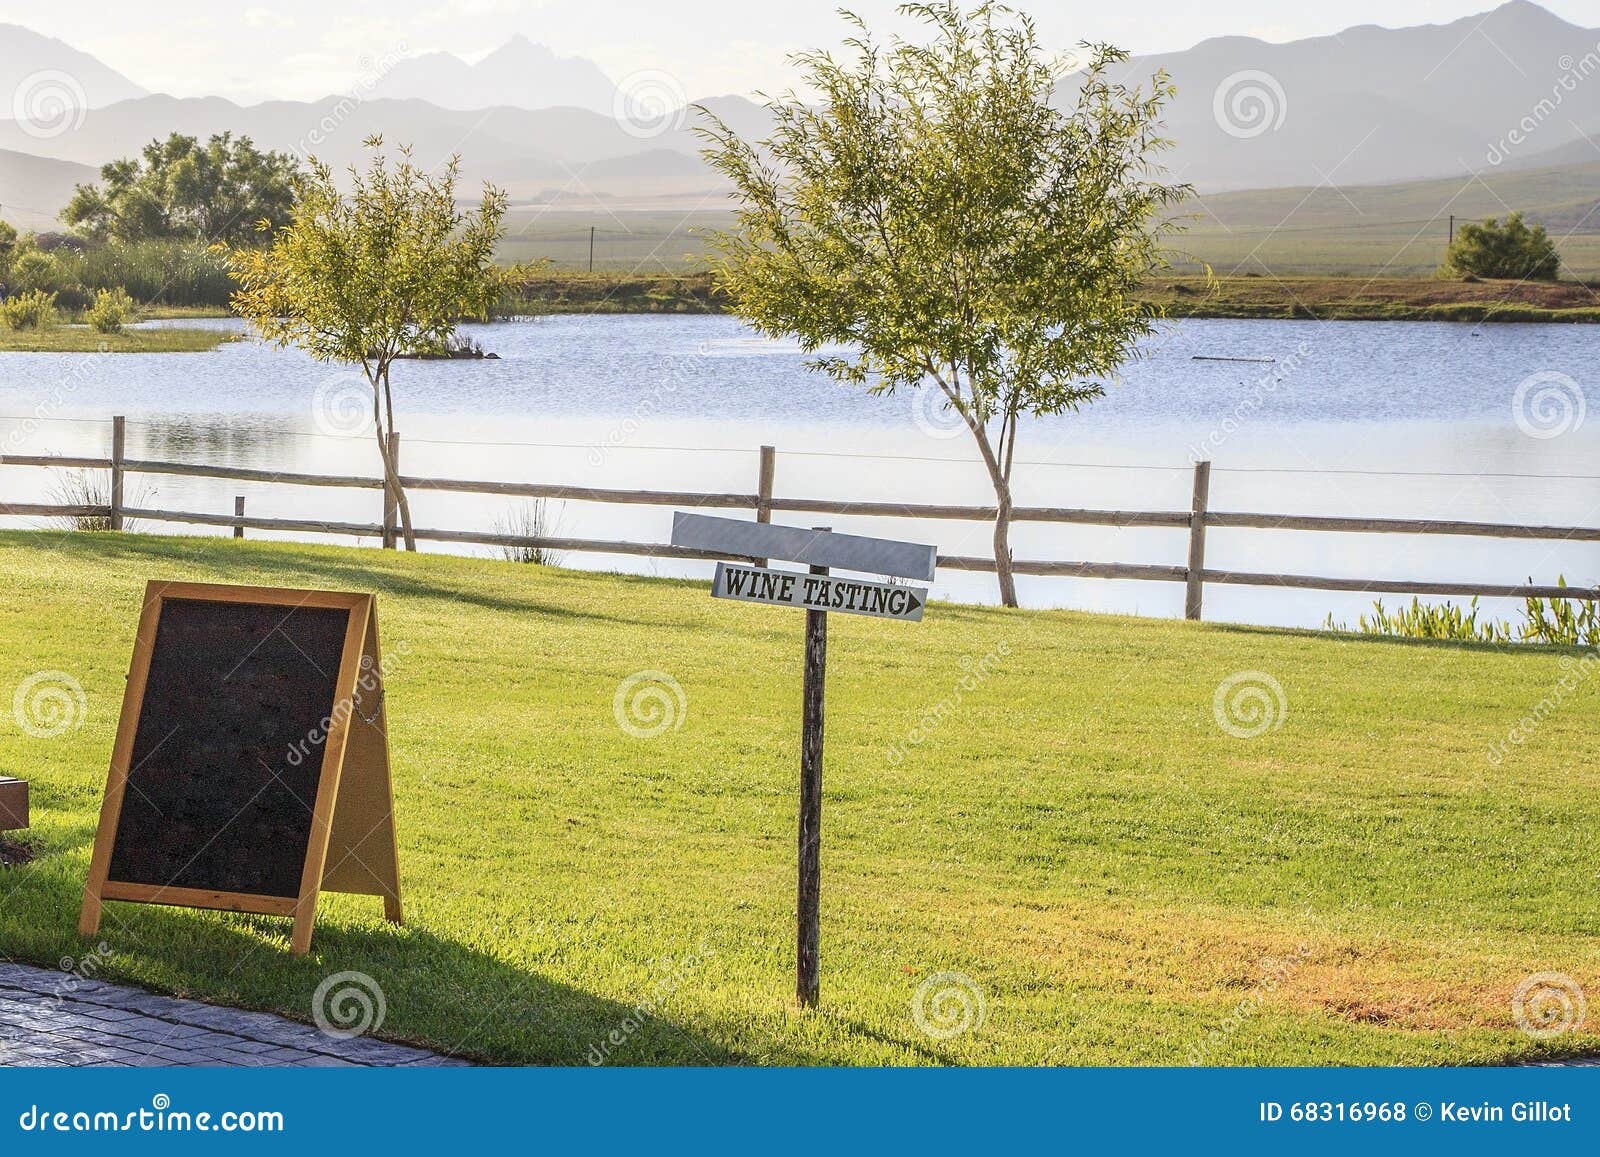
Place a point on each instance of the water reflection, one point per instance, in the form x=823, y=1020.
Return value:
x=1361, y=419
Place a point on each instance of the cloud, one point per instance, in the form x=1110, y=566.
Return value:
x=267, y=18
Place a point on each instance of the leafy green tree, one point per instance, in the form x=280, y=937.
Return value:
x=935, y=212
x=373, y=275
x=8, y=247
x=219, y=191
x=34, y=269
x=1513, y=249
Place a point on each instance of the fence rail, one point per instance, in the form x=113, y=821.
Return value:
x=1196, y=521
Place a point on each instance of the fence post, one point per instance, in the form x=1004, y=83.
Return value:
x=238, y=514
x=391, y=500
x=119, y=439
x=769, y=468
x=1197, y=540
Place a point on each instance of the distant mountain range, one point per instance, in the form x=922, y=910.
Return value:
x=1513, y=88
x=518, y=74
x=1377, y=104
x=37, y=71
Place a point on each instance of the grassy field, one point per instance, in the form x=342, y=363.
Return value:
x=1119, y=878
x=1397, y=230
x=74, y=339
x=1326, y=298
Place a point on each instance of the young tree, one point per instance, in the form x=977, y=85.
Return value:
x=938, y=213
x=1510, y=250
x=370, y=276
x=219, y=191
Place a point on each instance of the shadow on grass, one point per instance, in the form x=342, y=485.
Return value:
x=1357, y=637
x=438, y=993
x=211, y=556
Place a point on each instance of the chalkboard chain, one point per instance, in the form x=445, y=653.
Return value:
x=370, y=720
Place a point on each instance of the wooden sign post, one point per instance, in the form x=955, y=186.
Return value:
x=818, y=593
x=251, y=764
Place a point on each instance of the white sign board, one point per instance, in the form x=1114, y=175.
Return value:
x=740, y=539
x=817, y=592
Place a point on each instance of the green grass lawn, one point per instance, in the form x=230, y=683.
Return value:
x=72, y=339
x=1120, y=879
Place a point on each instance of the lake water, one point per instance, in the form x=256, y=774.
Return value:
x=1350, y=418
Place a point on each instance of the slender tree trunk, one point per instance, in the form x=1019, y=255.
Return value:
x=999, y=467
x=391, y=468
x=1002, y=546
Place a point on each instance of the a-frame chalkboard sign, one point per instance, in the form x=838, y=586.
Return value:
x=251, y=766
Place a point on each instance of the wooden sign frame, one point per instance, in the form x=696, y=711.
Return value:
x=352, y=845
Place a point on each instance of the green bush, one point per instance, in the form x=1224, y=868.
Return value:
x=110, y=310
x=35, y=270
x=1513, y=249
x=183, y=273
x=1563, y=622
x=34, y=310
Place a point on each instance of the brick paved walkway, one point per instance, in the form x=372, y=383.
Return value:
x=53, y=1018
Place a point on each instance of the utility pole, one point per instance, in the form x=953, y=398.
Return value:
x=591, y=246
x=1452, y=228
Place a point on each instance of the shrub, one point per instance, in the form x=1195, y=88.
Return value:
x=531, y=520
x=110, y=309
x=35, y=310
x=35, y=270
x=1559, y=621
x=1513, y=249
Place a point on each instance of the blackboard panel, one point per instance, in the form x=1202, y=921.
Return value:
x=228, y=752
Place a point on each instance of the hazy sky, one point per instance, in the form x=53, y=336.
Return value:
x=300, y=49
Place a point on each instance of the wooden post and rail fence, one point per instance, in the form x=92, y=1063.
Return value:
x=1196, y=521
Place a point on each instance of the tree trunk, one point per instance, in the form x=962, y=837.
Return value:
x=1000, y=476
x=1002, y=547
x=391, y=471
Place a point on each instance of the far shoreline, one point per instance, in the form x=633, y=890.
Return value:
x=1249, y=297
